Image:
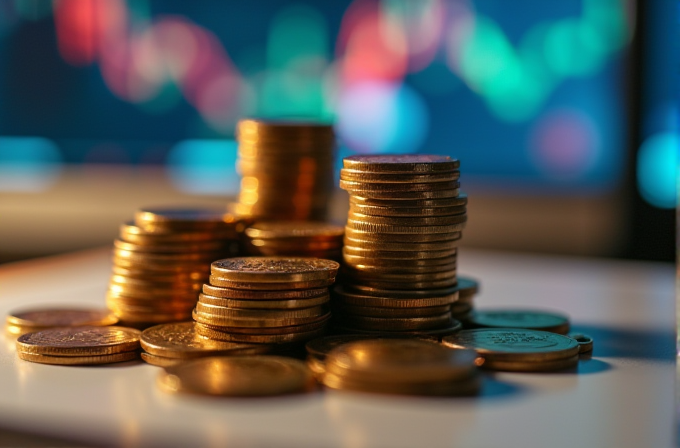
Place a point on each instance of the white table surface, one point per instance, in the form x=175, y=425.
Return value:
x=622, y=397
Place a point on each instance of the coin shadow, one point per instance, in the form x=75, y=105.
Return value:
x=495, y=389
x=618, y=342
x=115, y=365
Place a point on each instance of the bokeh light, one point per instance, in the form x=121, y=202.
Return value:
x=28, y=164
x=657, y=169
x=204, y=166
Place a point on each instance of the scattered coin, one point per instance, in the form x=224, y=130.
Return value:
x=238, y=376
x=40, y=318
x=79, y=341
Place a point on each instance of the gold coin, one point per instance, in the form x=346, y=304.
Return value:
x=253, y=322
x=78, y=360
x=49, y=316
x=145, y=283
x=131, y=233
x=369, y=177
x=228, y=293
x=295, y=246
x=384, y=312
x=406, y=195
x=363, y=226
x=401, y=238
x=196, y=219
x=284, y=338
x=274, y=269
x=407, y=285
x=434, y=334
x=410, y=163
x=250, y=128
x=270, y=286
x=397, y=324
x=175, y=248
x=515, y=345
x=118, y=306
x=151, y=293
x=403, y=300
x=180, y=340
x=264, y=304
x=154, y=276
x=531, y=366
x=208, y=310
x=185, y=268
x=182, y=258
x=398, y=255
x=395, y=246
x=370, y=188
x=400, y=361
x=362, y=262
x=294, y=230
x=399, y=277
x=355, y=288
x=317, y=366
x=319, y=348
x=408, y=221
x=361, y=270
x=162, y=361
x=239, y=376
x=406, y=212
x=151, y=317
x=314, y=325
x=396, y=203
x=79, y=341
x=466, y=387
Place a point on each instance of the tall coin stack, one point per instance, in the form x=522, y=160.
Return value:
x=287, y=169
x=298, y=238
x=266, y=300
x=405, y=219
x=162, y=258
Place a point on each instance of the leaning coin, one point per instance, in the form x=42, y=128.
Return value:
x=79, y=360
x=519, y=318
x=49, y=316
x=405, y=300
x=514, y=344
x=239, y=376
x=180, y=340
x=79, y=341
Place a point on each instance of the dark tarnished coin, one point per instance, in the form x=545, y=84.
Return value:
x=397, y=324
x=514, y=344
x=518, y=318
x=435, y=334
x=410, y=163
x=274, y=269
x=398, y=293
x=585, y=342
x=404, y=300
x=180, y=340
x=37, y=318
x=531, y=366
x=80, y=341
x=239, y=376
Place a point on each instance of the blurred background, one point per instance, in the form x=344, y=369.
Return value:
x=563, y=113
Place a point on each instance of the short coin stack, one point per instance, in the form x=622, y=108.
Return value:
x=162, y=259
x=287, y=169
x=168, y=345
x=85, y=345
x=266, y=300
x=298, y=238
x=402, y=366
x=399, y=259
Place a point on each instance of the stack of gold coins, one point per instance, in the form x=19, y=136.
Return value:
x=162, y=259
x=79, y=345
x=287, y=169
x=405, y=219
x=402, y=366
x=296, y=238
x=463, y=308
x=515, y=349
x=41, y=318
x=266, y=300
x=168, y=345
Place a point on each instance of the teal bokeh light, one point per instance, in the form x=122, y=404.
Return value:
x=657, y=169
x=28, y=164
x=204, y=166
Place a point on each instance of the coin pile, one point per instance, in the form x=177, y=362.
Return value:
x=297, y=238
x=238, y=376
x=287, y=169
x=79, y=345
x=520, y=350
x=399, y=258
x=168, y=345
x=266, y=300
x=463, y=308
x=41, y=318
x=162, y=258
x=402, y=366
